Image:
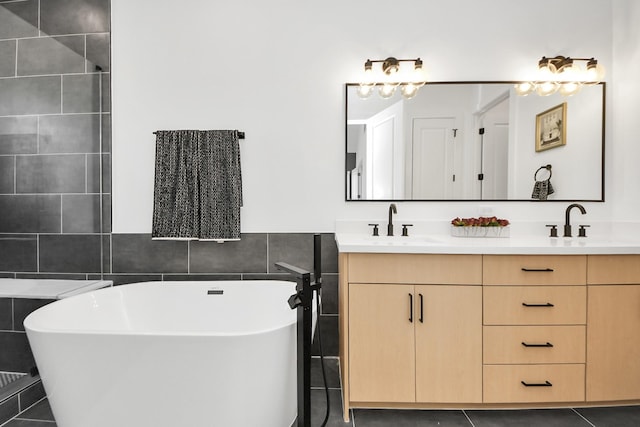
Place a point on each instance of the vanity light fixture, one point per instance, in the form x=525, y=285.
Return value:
x=390, y=76
x=563, y=74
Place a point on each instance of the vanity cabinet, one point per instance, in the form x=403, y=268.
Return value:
x=613, y=329
x=423, y=330
x=411, y=329
x=534, y=328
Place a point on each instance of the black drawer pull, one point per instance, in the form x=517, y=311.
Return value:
x=544, y=384
x=421, y=308
x=547, y=344
x=411, y=308
x=547, y=304
x=545, y=270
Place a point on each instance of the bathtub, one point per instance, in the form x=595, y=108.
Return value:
x=170, y=354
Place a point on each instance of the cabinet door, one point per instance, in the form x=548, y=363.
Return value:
x=448, y=344
x=613, y=343
x=381, y=343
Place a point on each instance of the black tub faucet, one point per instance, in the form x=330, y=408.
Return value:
x=567, y=221
x=392, y=210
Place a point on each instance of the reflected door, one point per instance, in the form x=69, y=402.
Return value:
x=384, y=160
x=433, y=159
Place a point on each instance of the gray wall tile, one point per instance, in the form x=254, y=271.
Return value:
x=82, y=93
x=329, y=329
x=200, y=277
x=93, y=173
x=106, y=133
x=32, y=395
x=51, y=174
x=18, y=135
x=137, y=253
x=70, y=253
x=330, y=293
x=30, y=95
x=249, y=255
x=56, y=276
x=30, y=214
x=22, y=307
x=51, y=55
x=106, y=213
x=74, y=16
x=9, y=408
x=70, y=133
x=19, y=254
x=6, y=314
x=124, y=279
x=16, y=354
x=7, y=174
x=81, y=213
x=19, y=19
x=297, y=249
x=98, y=52
x=7, y=58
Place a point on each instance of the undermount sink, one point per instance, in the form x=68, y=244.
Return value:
x=402, y=240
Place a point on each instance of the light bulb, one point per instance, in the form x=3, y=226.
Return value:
x=547, y=71
x=409, y=90
x=570, y=88
x=546, y=88
x=595, y=73
x=570, y=73
x=387, y=91
x=365, y=90
x=524, y=88
x=419, y=77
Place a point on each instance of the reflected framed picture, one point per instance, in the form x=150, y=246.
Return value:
x=551, y=128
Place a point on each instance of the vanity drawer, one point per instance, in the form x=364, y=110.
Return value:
x=534, y=269
x=533, y=344
x=534, y=305
x=544, y=383
x=425, y=269
x=613, y=269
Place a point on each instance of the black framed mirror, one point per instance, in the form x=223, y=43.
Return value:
x=471, y=141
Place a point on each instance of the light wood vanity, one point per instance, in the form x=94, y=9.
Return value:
x=475, y=330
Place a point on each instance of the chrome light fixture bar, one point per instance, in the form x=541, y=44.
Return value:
x=563, y=74
x=390, y=76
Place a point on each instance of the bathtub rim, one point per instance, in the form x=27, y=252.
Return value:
x=33, y=316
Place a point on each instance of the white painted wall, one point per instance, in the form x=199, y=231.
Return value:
x=623, y=148
x=277, y=69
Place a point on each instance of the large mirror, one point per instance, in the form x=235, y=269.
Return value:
x=475, y=141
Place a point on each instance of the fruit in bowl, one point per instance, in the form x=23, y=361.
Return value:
x=482, y=221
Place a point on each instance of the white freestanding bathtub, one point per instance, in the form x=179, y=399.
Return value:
x=170, y=354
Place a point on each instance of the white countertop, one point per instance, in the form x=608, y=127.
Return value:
x=48, y=288
x=432, y=238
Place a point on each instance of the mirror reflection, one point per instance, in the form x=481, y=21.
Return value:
x=475, y=141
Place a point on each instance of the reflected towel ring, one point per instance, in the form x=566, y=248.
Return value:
x=547, y=167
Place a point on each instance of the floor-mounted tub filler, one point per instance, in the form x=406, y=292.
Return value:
x=168, y=354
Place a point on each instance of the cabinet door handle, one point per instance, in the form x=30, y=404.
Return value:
x=544, y=384
x=421, y=309
x=411, y=308
x=547, y=344
x=547, y=304
x=544, y=270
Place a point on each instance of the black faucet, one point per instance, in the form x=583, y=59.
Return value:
x=567, y=221
x=392, y=210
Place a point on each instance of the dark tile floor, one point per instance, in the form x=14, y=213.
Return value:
x=39, y=415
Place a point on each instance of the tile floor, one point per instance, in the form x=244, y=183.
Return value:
x=39, y=415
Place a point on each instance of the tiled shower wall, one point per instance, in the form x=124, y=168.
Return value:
x=54, y=130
